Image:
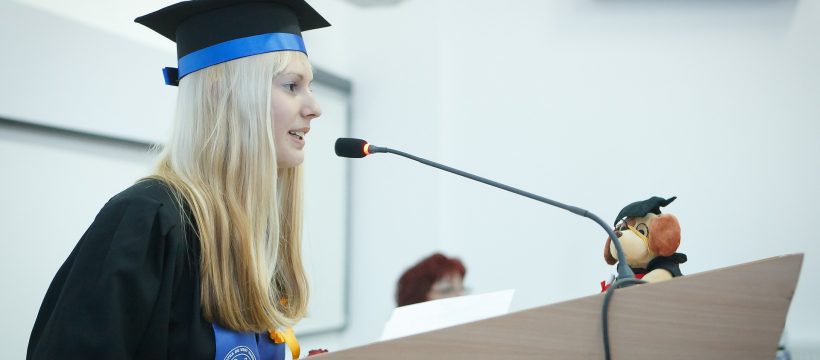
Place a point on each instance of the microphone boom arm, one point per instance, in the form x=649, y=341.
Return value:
x=624, y=272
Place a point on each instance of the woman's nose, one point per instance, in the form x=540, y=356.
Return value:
x=311, y=110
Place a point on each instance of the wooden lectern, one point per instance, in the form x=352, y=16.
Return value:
x=736, y=312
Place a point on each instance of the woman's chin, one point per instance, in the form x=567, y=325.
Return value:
x=290, y=162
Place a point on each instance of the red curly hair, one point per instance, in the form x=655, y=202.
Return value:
x=416, y=281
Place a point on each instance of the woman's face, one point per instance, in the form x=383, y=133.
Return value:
x=292, y=109
x=449, y=285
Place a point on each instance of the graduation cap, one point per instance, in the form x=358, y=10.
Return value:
x=210, y=32
x=641, y=208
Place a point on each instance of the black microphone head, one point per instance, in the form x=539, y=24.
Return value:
x=351, y=148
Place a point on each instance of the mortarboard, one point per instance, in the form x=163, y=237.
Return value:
x=641, y=208
x=209, y=32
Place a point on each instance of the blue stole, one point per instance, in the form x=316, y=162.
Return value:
x=233, y=345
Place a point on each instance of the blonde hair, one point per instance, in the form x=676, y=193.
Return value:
x=221, y=160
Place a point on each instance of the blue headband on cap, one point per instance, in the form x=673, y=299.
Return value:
x=230, y=50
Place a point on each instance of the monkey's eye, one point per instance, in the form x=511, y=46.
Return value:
x=643, y=229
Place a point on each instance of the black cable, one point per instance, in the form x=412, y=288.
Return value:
x=605, y=312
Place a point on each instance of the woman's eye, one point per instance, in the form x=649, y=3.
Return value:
x=290, y=87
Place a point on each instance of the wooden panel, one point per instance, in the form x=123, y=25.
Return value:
x=736, y=312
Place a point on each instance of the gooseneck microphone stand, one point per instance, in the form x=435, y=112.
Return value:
x=624, y=272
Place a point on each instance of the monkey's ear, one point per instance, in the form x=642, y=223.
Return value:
x=608, y=254
x=664, y=235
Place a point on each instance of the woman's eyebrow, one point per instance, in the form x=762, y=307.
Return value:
x=294, y=74
x=299, y=75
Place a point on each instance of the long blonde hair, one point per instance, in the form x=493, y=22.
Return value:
x=221, y=160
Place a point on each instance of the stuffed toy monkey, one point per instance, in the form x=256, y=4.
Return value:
x=649, y=240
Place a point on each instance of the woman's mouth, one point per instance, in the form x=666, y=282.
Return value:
x=298, y=134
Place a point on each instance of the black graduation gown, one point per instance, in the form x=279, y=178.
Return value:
x=129, y=289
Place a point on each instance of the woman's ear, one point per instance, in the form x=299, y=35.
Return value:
x=608, y=254
x=664, y=235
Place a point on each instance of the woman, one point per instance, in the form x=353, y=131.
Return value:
x=435, y=277
x=203, y=258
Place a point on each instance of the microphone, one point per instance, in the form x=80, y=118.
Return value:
x=358, y=148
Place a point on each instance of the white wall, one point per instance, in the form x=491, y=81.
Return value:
x=601, y=103
x=593, y=102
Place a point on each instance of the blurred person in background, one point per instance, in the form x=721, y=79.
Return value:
x=434, y=277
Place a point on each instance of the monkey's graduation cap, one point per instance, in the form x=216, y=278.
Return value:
x=641, y=208
x=210, y=32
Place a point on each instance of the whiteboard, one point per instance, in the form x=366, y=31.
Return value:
x=326, y=224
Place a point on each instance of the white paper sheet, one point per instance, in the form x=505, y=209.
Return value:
x=437, y=314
